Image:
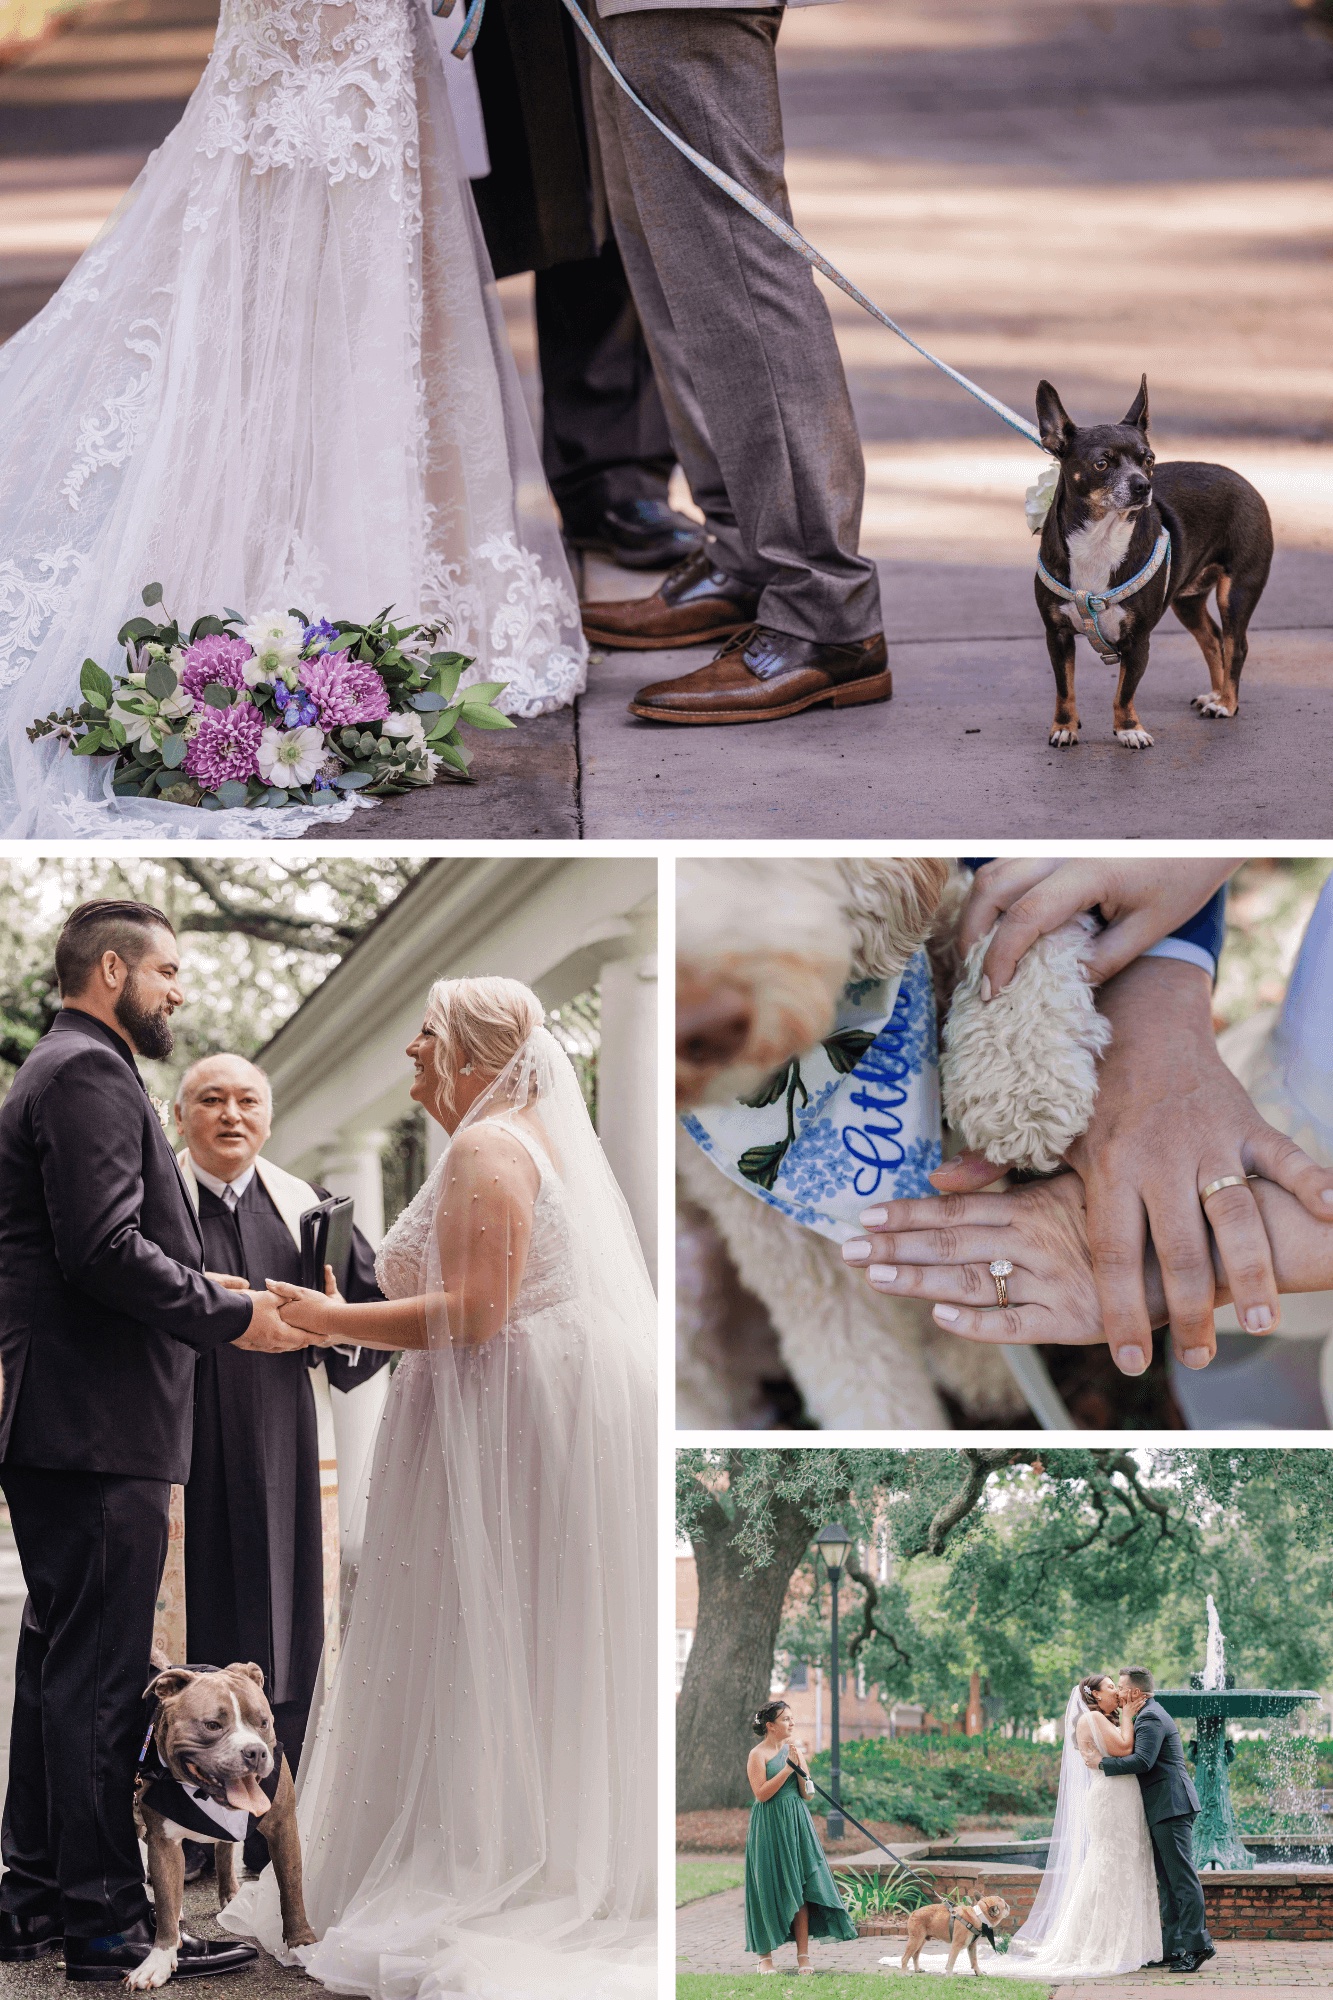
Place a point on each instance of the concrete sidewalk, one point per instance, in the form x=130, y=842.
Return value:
x=710, y=1937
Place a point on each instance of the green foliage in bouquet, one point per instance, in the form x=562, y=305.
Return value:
x=298, y=708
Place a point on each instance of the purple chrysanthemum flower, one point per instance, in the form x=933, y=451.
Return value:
x=225, y=745
x=296, y=707
x=320, y=636
x=346, y=690
x=215, y=658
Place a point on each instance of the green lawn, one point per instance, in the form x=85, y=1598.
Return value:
x=839, y=1986
x=695, y=1878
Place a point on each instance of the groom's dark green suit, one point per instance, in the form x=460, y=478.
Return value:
x=1170, y=1803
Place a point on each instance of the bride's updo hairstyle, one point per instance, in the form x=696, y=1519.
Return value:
x=478, y=1023
x=761, y=1718
x=1092, y=1686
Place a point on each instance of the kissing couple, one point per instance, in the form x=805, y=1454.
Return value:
x=476, y=1804
x=1120, y=1889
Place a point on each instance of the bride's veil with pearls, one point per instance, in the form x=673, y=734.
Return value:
x=1069, y=1835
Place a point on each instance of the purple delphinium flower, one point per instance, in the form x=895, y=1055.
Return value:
x=319, y=637
x=224, y=745
x=215, y=658
x=345, y=690
x=296, y=707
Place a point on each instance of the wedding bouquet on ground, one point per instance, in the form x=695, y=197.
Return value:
x=274, y=711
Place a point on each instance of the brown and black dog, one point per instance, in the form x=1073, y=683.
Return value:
x=1111, y=505
x=960, y=1928
x=212, y=1762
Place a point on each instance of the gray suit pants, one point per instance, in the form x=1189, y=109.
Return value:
x=741, y=340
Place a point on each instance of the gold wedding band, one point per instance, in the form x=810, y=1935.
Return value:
x=1227, y=1180
x=1000, y=1270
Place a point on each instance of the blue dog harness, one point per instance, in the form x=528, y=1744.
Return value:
x=1087, y=603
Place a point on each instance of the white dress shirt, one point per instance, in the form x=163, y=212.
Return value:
x=219, y=1188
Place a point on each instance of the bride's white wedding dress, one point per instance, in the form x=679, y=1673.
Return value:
x=1097, y=1911
x=279, y=377
x=477, y=1802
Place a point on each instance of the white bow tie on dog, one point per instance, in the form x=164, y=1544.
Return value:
x=856, y=1119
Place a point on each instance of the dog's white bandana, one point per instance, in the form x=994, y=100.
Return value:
x=854, y=1120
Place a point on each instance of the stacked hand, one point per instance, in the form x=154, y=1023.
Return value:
x=313, y=1314
x=266, y=1333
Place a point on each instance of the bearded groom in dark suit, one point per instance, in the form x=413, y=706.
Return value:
x=105, y=1305
x=1170, y=1804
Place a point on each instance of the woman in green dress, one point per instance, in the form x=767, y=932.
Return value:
x=789, y=1892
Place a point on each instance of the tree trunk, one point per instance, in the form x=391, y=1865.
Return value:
x=730, y=1668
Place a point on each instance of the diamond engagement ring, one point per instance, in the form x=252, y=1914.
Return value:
x=1000, y=1270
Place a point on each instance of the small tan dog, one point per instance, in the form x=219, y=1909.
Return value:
x=960, y=1928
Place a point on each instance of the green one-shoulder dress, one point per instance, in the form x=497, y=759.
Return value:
x=785, y=1867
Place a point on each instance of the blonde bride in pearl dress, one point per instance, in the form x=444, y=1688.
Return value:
x=279, y=377
x=477, y=1802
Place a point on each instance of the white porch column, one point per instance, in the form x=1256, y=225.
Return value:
x=627, y=1079
x=351, y=1165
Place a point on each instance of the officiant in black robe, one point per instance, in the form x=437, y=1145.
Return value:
x=254, y=1575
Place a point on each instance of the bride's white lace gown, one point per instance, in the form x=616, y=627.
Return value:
x=279, y=377
x=1109, y=1918
x=477, y=1804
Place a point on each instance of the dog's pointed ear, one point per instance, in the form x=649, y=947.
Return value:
x=1054, y=423
x=1137, y=413
x=164, y=1685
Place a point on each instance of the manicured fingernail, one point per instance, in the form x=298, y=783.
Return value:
x=1197, y=1357
x=882, y=1274
x=1327, y=1196
x=985, y=986
x=1258, y=1319
x=946, y=1312
x=1130, y=1361
x=856, y=1252
x=874, y=1218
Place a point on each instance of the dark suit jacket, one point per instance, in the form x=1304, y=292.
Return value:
x=103, y=1305
x=1158, y=1762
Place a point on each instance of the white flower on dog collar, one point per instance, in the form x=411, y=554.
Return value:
x=1037, y=500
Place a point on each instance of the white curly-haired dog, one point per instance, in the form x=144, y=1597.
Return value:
x=764, y=950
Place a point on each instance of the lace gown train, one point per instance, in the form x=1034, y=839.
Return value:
x=279, y=377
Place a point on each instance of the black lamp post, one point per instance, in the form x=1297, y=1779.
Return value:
x=833, y=1543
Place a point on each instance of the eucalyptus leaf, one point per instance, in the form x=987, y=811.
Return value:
x=173, y=752
x=429, y=702
x=231, y=792
x=207, y=627
x=353, y=781
x=233, y=617
x=161, y=681
x=218, y=696
x=274, y=796
x=151, y=593
x=136, y=629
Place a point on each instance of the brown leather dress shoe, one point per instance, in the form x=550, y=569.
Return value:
x=695, y=604
x=765, y=675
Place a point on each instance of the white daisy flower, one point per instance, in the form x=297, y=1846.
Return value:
x=290, y=757
x=276, y=639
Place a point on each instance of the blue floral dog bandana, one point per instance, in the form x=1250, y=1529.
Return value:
x=854, y=1120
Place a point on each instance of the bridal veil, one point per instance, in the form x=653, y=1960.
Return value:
x=477, y=1804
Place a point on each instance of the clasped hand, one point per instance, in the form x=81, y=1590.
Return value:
x=287, y=1317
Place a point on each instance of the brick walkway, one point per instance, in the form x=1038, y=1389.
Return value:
x=710, y=1937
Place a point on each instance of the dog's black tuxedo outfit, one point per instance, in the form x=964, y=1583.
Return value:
x=1170, y=1803
x=254, y=1570
x=103, y=1310
x=189, y=1806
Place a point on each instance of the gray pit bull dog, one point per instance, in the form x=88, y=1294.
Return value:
x=217, y=1762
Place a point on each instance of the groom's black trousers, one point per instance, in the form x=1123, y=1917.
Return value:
x=92, y=1546
x=1179, y=1892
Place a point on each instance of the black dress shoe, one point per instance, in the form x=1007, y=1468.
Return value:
x=200, y=1859
x=112, y=1957
x=200, y=1958
x=1187, y=1961
x=25, y=1938
x=637, y=534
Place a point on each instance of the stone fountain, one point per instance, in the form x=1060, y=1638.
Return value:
x=1210, y=1701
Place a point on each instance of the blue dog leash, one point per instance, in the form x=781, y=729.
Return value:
x=1087, y=603
x=773, y=222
